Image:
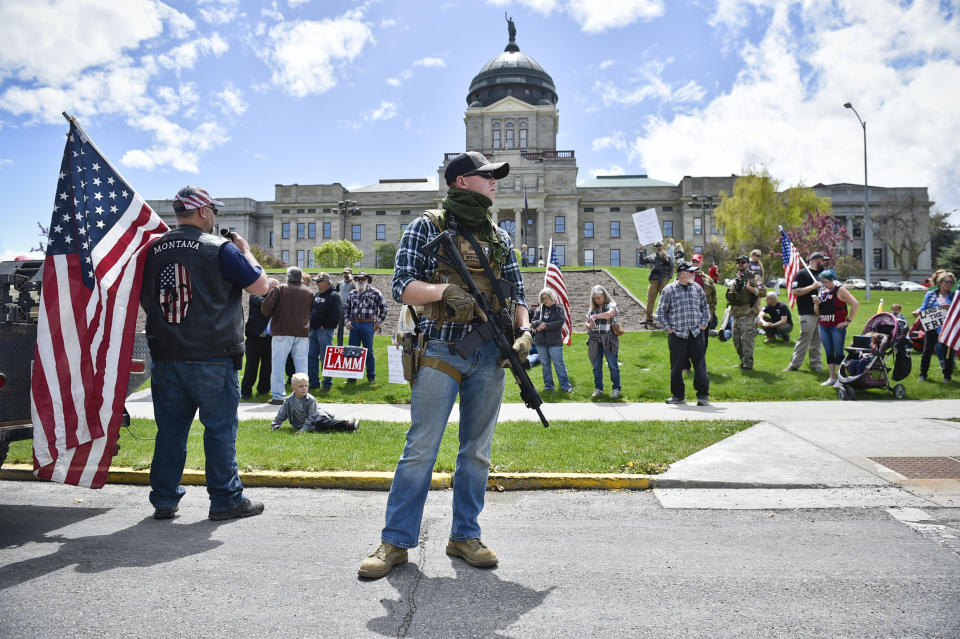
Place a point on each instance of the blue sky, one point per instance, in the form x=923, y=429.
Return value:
x=239, y=96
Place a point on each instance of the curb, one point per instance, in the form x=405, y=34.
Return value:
x=349, y=480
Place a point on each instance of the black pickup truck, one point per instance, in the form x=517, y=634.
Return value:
x=20, y=283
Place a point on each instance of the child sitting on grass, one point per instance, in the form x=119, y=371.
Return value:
x=300, y=407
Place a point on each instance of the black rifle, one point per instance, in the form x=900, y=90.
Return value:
x=497, y=326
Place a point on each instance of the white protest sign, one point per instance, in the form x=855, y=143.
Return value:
x=344, y=361
x=648, y=226
x=395, y=365
x=932, y=318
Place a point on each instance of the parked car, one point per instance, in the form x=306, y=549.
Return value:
x=855, y=282
x=885, y=285
x=777, y=282
x=911, y=286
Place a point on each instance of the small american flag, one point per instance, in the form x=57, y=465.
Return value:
x=88, y=311
x=791, y=264
x=175, y=292
x=950, y=330
x=554, y=280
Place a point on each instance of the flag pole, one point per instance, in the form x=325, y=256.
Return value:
x=800, y=257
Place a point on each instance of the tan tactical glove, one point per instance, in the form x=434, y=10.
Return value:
x=522, y=345
x=460, y=305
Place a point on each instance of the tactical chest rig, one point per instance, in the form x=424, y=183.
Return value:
x=496, y=290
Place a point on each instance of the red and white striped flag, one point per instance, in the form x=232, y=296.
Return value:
x=791, y=264
x=88, y=312
x=950, y=330
x=554, y=280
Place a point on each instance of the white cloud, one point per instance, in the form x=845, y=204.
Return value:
x=649, y=85
x=218, y=11
x=233, y=102
x=403, y=76
x=296, y=3
x=430, y=62
x=41, y=40
x=394, y=82
x=386, y=23
x=185, y=55
x=176, y=146
x=4, y=162
x=595, y=16
x=606, y=64
x=273, y=13
x=613, y=169
x=613, y=141
x=385, y=111
x=304, y=54
x=899, y=65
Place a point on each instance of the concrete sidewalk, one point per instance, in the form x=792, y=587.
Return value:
x=799, y=454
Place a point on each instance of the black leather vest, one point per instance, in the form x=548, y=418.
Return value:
x=192, y=312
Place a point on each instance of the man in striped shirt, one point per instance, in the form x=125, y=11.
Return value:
x=477, y=379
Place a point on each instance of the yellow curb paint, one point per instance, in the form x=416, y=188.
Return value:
x=349, y=480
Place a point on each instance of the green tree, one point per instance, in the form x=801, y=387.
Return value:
x=949, y=257
x=942, y=235
x=336, y=254
x=386, y=253
x=267, y=260
x=750, y=217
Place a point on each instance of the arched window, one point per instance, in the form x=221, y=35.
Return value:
x=496, y=135
x=509, y=138
x=523, y=135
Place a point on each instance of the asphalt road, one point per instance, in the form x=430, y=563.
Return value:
x=79, y=563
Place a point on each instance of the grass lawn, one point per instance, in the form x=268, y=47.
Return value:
x=582, y=447
x=644, y=365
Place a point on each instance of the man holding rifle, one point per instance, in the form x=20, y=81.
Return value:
x=449, y=315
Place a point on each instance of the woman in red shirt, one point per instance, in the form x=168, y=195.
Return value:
x=831, y=306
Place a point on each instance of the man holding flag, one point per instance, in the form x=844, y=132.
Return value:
x=802, y=284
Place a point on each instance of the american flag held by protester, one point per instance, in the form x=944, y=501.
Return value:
x=791, y=264
x=554, y=280
x=90, y=294
x=950, y=329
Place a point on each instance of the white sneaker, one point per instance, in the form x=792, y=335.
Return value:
x=829, y=382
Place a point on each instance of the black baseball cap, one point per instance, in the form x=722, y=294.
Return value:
x=686, y=267
x=817, y=254
x=472, y=161
x=742, y=258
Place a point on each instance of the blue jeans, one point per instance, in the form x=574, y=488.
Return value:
x=179, y=388
x=320, y=338
x=481, y=392
x=553, y=354
x=362, y=335
x=832, y=339
x=598, y=370
x=282, y=346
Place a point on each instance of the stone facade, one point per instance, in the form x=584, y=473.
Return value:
x=538, y=202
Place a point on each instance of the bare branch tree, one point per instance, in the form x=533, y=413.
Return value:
x=903, y=224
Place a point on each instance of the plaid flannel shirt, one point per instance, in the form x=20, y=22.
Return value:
x=367, y=305
x=412, y=264
x=683, y=309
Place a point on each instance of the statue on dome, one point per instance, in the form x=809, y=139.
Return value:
x=511, y=28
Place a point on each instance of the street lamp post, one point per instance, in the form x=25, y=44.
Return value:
x=867, y=229
x=345, y=207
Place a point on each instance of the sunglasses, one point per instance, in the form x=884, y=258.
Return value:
x=213, y=208
x=486, y=175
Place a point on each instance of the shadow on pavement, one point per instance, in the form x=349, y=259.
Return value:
x=147, y=543
x=475, y=603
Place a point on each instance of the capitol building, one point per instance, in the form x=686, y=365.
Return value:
x=511, y=116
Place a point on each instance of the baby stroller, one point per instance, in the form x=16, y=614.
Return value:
x=866, y=364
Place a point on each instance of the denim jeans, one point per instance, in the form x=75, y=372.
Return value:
x=362, y=335
x=320, y=338
x=481, y=393
x=553, y=354
x=179, y=388
x=282, y=346
x=832, y=339
x=598, y=370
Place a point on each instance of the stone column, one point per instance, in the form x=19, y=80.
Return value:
x=540, y=234
x=518, y=228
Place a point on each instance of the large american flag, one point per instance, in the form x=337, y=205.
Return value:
x=88, y=313
x=554, y=280
x=791, y=264
x=950, y=330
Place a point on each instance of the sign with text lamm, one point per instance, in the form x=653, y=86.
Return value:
x=344, y=361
